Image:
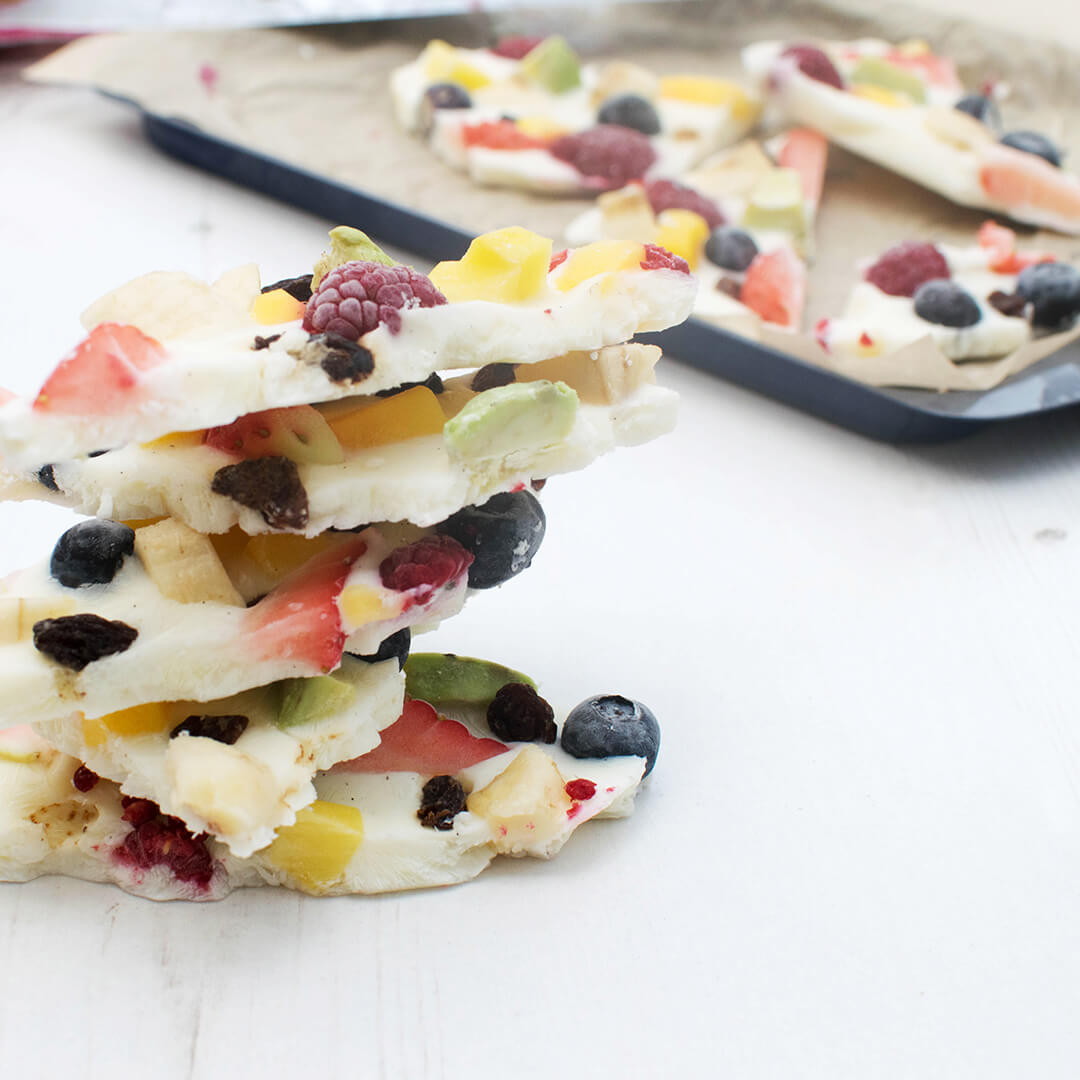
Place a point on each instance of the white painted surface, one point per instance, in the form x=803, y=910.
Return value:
x=857, y=858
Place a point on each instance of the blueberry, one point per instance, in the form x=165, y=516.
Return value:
x=91, y=553
x=444, y=95
x=632, y=111
x=1053, y=289
x=1031, y=142
x=395, y=647
x=982, y=107
x=610, y=725
x=503, y=535
x=731, y=248
x=944, y=302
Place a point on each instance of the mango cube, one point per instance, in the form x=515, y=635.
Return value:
x=600, y=258
x=363, y=423
x=361, y=604
x=683, y=232
x=541, y=127
x=443, y=63
x=279, y=554
x=149, y=719
x=175, y=440
x=316, y=850
x=703, y=90
x=508, y=265
x=277, y=306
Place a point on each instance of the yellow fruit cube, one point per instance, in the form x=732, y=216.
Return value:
x=317, y=849
x=361, y=604
x=600, y=258
x=147, y=719
x=360, y=423
x=508, y=265
x=175, y=440
x=184, y=564
x=879, y=95
x=703, y=90
x=683, y=232
x=540, y=127
x=277, y=306
x=279, y=554
x=443, y=63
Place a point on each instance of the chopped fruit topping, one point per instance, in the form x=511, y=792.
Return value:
x=443, y=63
x=445, y=679
x=157, y=839
x=731, y=248
x=47, y=478
x=558, y=259
x=603, y=376
x=425, y=566
x=611, y=155
x=395, y=647
x=879, y=95
x=298, y=433
x=277, y=307
x=303, y=701
x=1026, y=180
x=441, y=800
x=507, y=265
x=347, y=245
x=553, y=64
x=1054, y=292
x=1000, y=244
x=84, y=779
x=541, y=127
x=423, y=742
x=446, y=95
x=947, y=304
x=603, y=257
x=821, y=333
x=222, y=729
x=316, y=850
x=668, y=195
x=343, y=360
x=360, y=605
x=149, y=719
x=777, y=202
x=659, y=258
x=184, y=565
x=806, y=152
x=270, y=485
x=815, y=64
x=23, y=746
x=775, y=287
x=630, y=111
x=904, y=267
x=1032, y=142
x=357, y=297
x=580, y=790
x=281, y=554
x=683, y=233
x=500, y=135
x=101, y=375
x=518, y=713
x=91, y=553
x=492, y=375
x=982, y=107
x=1010, y=304
x=516, y=46
x=299, y=288
x=359, y=424
x=74, y=641
x=610, y=725
x=702, y=90
x=878, y=72
x=867, y=346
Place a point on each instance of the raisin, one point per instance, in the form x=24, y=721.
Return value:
x=344, y=360
x=441, y=800
x=432, y=382
x=270, y=485
x=299, y=288
x=222, y=729
x=264, y=342
x=517, y=713
x=1011, y=304
x=77, y=640
x=47, y=478
x=492, y=375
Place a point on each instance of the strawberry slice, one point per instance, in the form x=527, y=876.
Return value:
x=805, y=151
x=423, y=742
x=1029, y=184
x=300, y=619
x=101, y=374
x=500, y=135
x=775, y=287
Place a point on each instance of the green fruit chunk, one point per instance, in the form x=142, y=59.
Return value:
x=443, y=679
x=521, y=417
x=878, y=72
x=776, y=202
x=348, y=245
x=303, y=701
x=554, y=65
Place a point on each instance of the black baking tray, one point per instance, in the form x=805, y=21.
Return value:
x=890, y=415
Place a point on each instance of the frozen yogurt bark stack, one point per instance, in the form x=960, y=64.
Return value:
x=289, y=482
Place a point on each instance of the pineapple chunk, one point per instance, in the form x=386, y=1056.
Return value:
x=702, y=90
x=508, y=265
x=600, y=258
x=525, y=805
x=442, y=63
x=602, y=377
x=19, y=613
x=149, y=719
x=277, y=306
x=683, y=232
x=628, y=215
x=317, y=849
x=279, y=554
x=184, y=564
x=731, y=173
x=359, y=424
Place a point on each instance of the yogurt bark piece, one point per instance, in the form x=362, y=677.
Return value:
x=898, y=107
x=528, y=114
x=153, y=365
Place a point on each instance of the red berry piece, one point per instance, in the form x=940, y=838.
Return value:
x=355, y=298
x=157, y=839
x=516, y=46
x=775, y=287
x=558, y=259
x=500, y=135
x=580, y=790
x=607, y=154
x=425, y=565
x=815, y=64
x=659, y=258
x=84, y=779
x=668, y=195
x=903, y=268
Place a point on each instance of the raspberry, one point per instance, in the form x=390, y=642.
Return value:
x=667, y=195
x=425, y=565
x=615, y=155
x=156, y=839
x=815, y=64
x=658, y=258
x=500, y=135
x=516, y=46
x=356, y=297
x=903, y=268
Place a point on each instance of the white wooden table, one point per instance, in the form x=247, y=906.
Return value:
x=858, y=855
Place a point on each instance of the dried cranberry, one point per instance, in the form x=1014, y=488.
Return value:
x=222, y=729
x=138, y=811
x=425, y=565
x=77, y=640
x=441, y=800
x=517, y=713
x=270, y=485
x=84, y=779
x=658, y=258
x=815, y=64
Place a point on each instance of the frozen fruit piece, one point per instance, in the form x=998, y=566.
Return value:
x=609, y=154
x=704, y=90
x=395, y=647
x=303, y=701
x=355, y=298
x=517, y=713
x=731, y=248
x=683, y=233
x=279, y=554
x=659, y=258
x=361, y=424
x=347, y=245
x=610, y=725
x=158, y=839
x=277, y=306
x=631, y=111
x=1032, y=142
x=1053, y=289
x=553, y=64
x=878, y=71
x=806, y=152
x=447, y=680
x=441, y=800
x=516, y=46
x=91, y=553
x=500, y=135
x=100, y=375
x=815, y=64
x=1029, y=183
x=944, y=302
x=444, y=95
x=669, y=195
x=424, y=566
x=775, y=287
x=776, y=202
x=423, y=742
x=444, y=63
x=184, y=565
x=298, y=432
x=904, y=267
x=982, y=107
x=879, y=95
x=603, y=257
x=317, y=848
x=74, y=641
x=508, y=265
x=148, y=719
x=270, y=485
x=223, y=729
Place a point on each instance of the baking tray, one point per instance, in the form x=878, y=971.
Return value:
x=890, y=415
